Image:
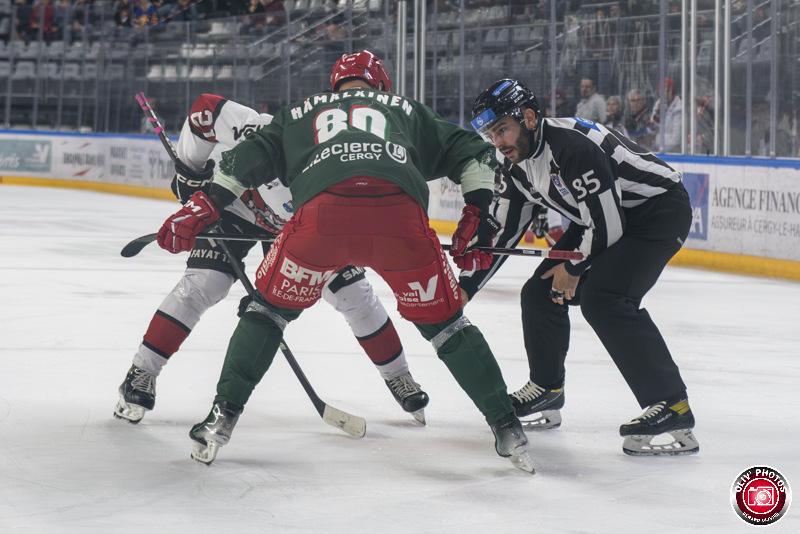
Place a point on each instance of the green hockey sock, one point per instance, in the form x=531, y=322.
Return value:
x=470, y=360
x=250, y=353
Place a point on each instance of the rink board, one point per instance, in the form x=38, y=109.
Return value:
x=746, y=210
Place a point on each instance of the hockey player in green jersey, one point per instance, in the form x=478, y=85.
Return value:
x=357, y=161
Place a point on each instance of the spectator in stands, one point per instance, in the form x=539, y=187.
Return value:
x=144, y=13
x=783, y=131
x=262, y=13
x=672, y=119
x=122, y=16
x=66, y=20
x=255, y=7
x=637, y=119
x=334, y=32
x=704, y=117
x=184, y=10
x=23, y=29
x=563, y=106
x=163, y=9
x=254, y=21
x=81, y=15
x=275, y=12
x=591, y=106
x=614, y=118
x=43, y=18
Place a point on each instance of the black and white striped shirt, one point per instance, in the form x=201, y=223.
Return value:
x=587, y=172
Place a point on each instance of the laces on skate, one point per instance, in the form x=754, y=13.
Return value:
x=409, y=395
x=538, y=408
x=137, y=394
x=528, y=392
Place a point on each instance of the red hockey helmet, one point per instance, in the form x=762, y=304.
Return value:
x=362, y=65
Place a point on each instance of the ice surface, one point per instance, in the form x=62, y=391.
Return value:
x=72, y=312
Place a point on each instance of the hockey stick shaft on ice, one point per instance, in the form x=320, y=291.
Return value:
x=351, y=424
x=135, y=247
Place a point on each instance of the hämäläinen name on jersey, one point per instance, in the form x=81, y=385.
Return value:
x=327, y=98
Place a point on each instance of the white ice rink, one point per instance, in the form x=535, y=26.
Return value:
x=72, y=312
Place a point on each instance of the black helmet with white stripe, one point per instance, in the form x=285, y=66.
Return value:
x=504, y=98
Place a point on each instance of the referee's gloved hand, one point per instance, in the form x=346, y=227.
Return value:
x=179, y=231
x=474, y=229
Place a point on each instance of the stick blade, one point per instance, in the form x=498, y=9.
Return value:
x=351, y=424
x=135, y=247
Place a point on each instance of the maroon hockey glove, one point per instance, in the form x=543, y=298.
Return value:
x=180, y=230
x=556, y=232
x=474, y=228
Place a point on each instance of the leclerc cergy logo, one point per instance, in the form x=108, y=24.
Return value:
x=760, y=495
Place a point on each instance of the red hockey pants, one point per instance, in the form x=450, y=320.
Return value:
x=369, y=223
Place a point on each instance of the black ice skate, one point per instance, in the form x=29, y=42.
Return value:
x=409, y=395
x=137, y=394
x=539, y=406
x=662, y=420
x=510, y=442
x=214, y=431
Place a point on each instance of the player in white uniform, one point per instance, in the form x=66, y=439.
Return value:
x=214, y=125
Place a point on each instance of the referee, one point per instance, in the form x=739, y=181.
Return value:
x=629, y=214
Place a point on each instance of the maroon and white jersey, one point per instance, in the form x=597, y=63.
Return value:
x=214, y=125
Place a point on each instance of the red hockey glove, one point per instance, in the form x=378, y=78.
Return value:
x=180, y=230
x=555, y=232
x=474, y=228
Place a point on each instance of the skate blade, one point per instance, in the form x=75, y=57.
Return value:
x=683, y=443
x=521, y=458
x=523, y=462
x=545, y=420
x=419, y=416
x=204, y=453
x=133, y=413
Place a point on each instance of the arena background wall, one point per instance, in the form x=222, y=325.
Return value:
x=746, y=210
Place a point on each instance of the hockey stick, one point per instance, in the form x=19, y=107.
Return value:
x=147, y=109
x=352, y=424
x=135, y=247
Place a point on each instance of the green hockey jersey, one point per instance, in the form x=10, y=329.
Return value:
x=330, y=137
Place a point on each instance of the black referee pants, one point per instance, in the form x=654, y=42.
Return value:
x=609, y=295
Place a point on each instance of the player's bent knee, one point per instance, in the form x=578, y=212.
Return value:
x=352, y=298
x=256, y=307
x=207, y=286
x=440, y=333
